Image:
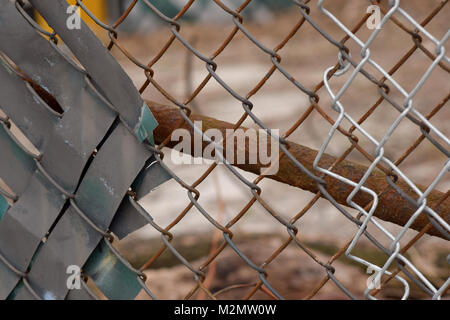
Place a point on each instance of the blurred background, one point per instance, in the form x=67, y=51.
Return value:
x=279, y=104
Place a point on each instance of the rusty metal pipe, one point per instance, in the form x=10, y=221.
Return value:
x=391, y=207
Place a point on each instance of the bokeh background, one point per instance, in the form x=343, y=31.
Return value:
x=279, y=104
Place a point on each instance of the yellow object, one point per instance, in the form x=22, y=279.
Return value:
x=97, y=7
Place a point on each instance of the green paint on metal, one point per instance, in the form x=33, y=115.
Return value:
x=166, y=7
x=13, y=294
x=97, y=191
x=146, y=125
x=110, y=275
x=3, y=206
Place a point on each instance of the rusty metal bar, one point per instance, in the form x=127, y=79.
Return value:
x=392, y=206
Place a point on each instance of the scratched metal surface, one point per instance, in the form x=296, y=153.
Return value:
x=46, y=182
x=112, y=80
x=48, y=66
x=99, y=195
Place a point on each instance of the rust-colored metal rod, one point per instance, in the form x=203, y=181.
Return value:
x=392, y=206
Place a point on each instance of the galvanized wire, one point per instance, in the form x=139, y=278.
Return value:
x=406, y=272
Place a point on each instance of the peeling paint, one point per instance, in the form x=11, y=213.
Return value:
x=146, y=124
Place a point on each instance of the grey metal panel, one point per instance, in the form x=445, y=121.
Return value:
x=153, y=176
x=28, y=220
x=79, y=132
x=26, y=294
x=111, y=276
x=13, y=294
x=114, y=169
x=24, y=108
x=98, y=62
x=73, y=140
x=128, y=219
x=8, y=279
x=46, y=65
x=25, y=224
x=72, y=241
x=75, y=137
x=66, y=146
x=16, y=167
x=71, y=143
x=79, y=294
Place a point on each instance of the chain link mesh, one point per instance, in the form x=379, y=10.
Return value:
x=397, y=265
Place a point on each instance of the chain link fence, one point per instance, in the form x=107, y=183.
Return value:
x=75, y=186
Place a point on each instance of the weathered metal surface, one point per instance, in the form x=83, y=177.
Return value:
x=70, y=143
x=80, y=294
x=113, y=81
x=31, y=117
x=392, y=206
x=25, y=224
x=99, y=196
x=67, y=143
x=76, y=136
x=16, y=167
x=127, y=218
x=47, y=66
x=110, y=275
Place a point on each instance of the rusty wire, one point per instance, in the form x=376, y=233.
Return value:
x=384, y=86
